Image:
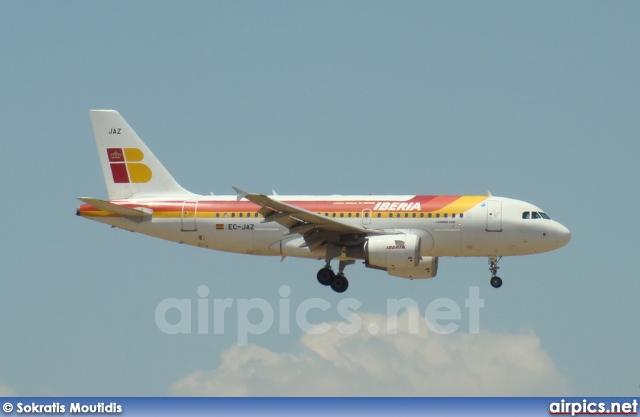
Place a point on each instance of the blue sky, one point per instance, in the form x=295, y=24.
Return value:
x=532, y=100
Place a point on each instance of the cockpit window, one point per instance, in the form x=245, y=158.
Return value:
x=535, y=215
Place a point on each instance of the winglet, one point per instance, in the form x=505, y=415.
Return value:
x=240, y=194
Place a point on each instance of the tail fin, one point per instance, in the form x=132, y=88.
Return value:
x=129, y=167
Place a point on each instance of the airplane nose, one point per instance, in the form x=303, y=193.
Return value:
x=563, y=235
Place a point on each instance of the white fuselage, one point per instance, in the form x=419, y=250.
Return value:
x=493, y=227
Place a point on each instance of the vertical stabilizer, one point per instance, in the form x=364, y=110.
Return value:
x=130, y=169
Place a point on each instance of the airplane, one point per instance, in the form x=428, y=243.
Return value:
x=404, y=235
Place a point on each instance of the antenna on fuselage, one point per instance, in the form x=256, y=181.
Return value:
x=489, y=193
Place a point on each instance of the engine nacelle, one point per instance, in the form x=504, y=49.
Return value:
x=427, y=268
x=393, y=252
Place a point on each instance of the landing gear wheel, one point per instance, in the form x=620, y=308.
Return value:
x=340, y=284
x=326, y=276
x=496, y=282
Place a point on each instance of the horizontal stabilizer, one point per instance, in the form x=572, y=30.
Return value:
x=135, y=214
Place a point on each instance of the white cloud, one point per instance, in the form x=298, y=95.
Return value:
x=402, y=364
x=6, y=391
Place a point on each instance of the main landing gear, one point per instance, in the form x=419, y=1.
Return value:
x=338, y=282
x=496, y=281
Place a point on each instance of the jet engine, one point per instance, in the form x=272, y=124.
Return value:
x=393, y=251
x=399, y=255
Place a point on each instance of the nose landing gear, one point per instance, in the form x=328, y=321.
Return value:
x=496, y=281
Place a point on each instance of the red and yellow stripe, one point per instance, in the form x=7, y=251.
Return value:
x=213, y=209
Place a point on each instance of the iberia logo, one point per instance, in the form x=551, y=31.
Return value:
x=125, y=166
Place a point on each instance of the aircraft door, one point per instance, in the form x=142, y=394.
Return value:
x=189, y=211
x=494, y=216
x=366, y=216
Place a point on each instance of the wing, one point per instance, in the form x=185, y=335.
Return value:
x=317, y=230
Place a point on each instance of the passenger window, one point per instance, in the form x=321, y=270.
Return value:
x=421, y=214
x=446, y=215
x=413, y=215
x=233, y=214
x=358, y=215
x=217, y=214
x=333, y=214
x=366, y=214
x=326, y=214
x=461, y=215
x=239, y=214
x=430, y=215
x=390, y=214
x=406, y=214
x=453, y=215
x=341, y=214
x=379, y=214
x=349, y=215
x=525, y=215
x=437, y=215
